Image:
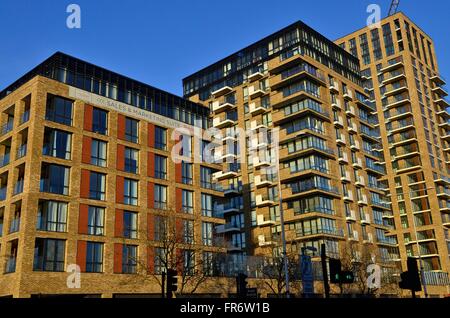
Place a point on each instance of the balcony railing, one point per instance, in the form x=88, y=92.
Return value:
x=4, y=160
x=21, y=151
x=10, y=265
x=6, y=128
x=2, y=193
x=303, y=68
x=25, y=117
x=18, y=187
x=332, y=231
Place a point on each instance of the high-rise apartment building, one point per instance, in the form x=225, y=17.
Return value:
x=328, y=161
x=400, y=71
x=87, y=178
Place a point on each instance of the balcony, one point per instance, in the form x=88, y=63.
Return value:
x=363, y=101
x=392, y=65
x=18, y=187
x=439, y=91
x=257, y=109
x=228, y=208
x=377, y=169
x=332, y=232
x=442, y=102
x=346, y=177
x=264, y=200
x=281, y=116
x=228, y=121
x=355, y=145
x=348, y=197
x=444, y=114
x=225, y=174
x=255, y=76
x=352, y=128
x=438, y=79
x=264, y=241
x=340, y=140
x=336, y=104
x=393, y=76
x=6, y=128
x=368, y=239
x=255, y=92
x=360, y=182
x=228, y=228
x=343, y=157
x=308, y=188
x=262, y=221
x=347, y=94
x=283, y=98
x=221, y=106
x=4, y=160
x=380, y=204
x=395, y=101
x=350, y=216
x=21, y=151
x=258, y=124
x=259, y=162
x=395, y=89
x=264, y=180
x=296, y=73
x=363, y=200
x=222, y=91
x=357, y=164
x=390, y=241
x=334, y=86
x=365, y=218
x=338, y=121
x=232, y=189
x=353, y=236
x=350, y=111
x=445, y=220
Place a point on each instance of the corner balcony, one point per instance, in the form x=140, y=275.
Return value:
x=222, y=91
x=396, y=101
x=444, y=114
x=221, y=106
x=442, y=102
x=439, y=91
x=279, y=116
x=228, y=228
x=395, y=89
x=224, y=121
x=296, y=73
x=255, y=76
x=393, y=77
x=264, y=200
x=391, y=65
x=438, y=79
x=307, y=189
x=256, y=109
x=255, y=92
x=281, y=99
x=264, y=180
x=262, y=221
x=225, y=174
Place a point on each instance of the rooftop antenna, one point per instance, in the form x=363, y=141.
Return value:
x=394, y=7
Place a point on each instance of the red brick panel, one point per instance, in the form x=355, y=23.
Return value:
x=150, y=227
x=179, y=229
x=118, y=224
x=151, y=259
x=84, y=188
x=83, y=219
x=86, y=150
x=180, y=260
x=178, y=175
x=81, y=255
x=88, y=117
x=179, y=199
x=119, y=189
x=121, y=127
x=151, y=164
x=150, y=195
x=118, y=251
x=121, y=157
x=151, y=135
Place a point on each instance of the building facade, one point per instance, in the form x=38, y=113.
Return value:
x=400, y=71
x=87, y=178
x=300, y=88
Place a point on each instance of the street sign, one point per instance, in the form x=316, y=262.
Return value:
x=252, y=293
x=307, y=274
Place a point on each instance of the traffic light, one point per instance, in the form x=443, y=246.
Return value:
x=411, y=279
x=335, y=271
x=172, y=282
x=241, y=285
x=347, y=277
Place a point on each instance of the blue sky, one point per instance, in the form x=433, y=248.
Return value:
x=160, y=42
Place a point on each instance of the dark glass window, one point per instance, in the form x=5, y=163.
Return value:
x=186, y=172
x=97, y=186
x=49, y=255
x=100, y=121
x=130, y=192
x=129, y=259
x=54, y=179
x=52, y=216
x=160, y=138
x=96, y=217
x=98, y=152
x=57, y=143
x=131, y=160
x=130, y=224
x=59, y=110
x=160, y=167
x=94, y=257
x=131, y=130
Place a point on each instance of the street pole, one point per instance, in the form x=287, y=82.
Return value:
x=323, y=258
x=280, y=202
x=163, y=279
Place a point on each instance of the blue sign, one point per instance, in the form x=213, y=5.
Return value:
x=307, y=274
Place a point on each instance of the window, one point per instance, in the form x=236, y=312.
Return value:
x=99, y=121
x=130, y=193
x=94, y=257
x=97, y=186
x=160, y=228
x=98, y=153
x=160, y=255
x=188, y=201
x=57, y=143
x=160, y=167
x=160, y=138
x=186, y=172
x=96, y=217
x=188, y=262
x=207, y=205
x=49, y=255
x=130, y=224
x=131, y=130
x=52, y=216
x=207, y=233
x=54, y=179
x=206, y=177
x=188, y=231
x=160, y=197
x=129, y=259
x=59, y=110
x=186, y=146
x=131, y=160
